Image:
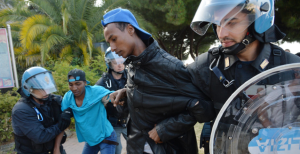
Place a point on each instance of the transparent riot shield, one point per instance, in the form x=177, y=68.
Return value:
x=262, y=116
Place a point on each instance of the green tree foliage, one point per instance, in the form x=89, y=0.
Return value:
x=8, y=100
x=63, y=30
x=287, y=14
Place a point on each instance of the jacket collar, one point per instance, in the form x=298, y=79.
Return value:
x=260, y=63
x=146, y=55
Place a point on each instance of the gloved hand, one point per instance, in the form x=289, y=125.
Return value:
x=65, y=119
x=68, y=111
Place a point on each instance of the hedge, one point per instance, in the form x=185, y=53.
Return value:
x=60, y=71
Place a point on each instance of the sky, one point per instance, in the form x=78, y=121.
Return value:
x=294, y=48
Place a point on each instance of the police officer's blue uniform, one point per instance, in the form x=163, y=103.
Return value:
x=30, y=132
x=36, y=124
x=219, y=72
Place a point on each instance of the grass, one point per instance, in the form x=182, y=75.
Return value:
x=198, y=129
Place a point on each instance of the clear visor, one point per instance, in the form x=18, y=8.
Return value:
x=113, y=57
x=234, y=16
x=41, y=85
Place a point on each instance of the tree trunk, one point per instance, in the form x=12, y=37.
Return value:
x=197, y=46
x=172, y=49
x=177, y=51
x=162, y=44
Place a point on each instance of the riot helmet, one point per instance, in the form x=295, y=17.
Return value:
x=38, y=82
x=224, y=14
x=112, y=61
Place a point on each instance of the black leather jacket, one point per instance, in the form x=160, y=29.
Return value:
x=159, y=91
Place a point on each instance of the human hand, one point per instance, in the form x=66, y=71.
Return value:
x=154, y=136
x=64, y=120
x=69, y=112
x=117, y=96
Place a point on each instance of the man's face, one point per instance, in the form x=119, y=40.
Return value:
x=118, y=67
x=232, y=30
x=120, y=42
x=77, y=87
x=40, y=94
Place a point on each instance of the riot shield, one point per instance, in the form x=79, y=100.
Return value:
x=262, y=116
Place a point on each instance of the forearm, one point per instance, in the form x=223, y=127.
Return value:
x=47, y=134
x=57, y=142
x=201, y=111
x=105, y=100
x=175, y=126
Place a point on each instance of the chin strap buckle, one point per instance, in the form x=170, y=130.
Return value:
x=246, y=42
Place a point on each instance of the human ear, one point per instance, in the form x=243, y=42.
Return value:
x=130, y=29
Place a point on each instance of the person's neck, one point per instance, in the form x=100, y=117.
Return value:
x=250, y=53
x=116, y=75
x=139, y=47
x=38, y=101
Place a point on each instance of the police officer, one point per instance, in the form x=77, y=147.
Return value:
x=114, y=79
x=37, y=120
x=245, y=29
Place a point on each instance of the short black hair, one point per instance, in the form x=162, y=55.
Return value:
x=298, y=54
x=120, y=25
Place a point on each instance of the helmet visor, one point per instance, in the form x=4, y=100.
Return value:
x=42, y=83
x=235, y=16
x=113, y=56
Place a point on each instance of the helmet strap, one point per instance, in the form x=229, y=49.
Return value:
x=235, y=49
x=121, y=72
x=41, y=99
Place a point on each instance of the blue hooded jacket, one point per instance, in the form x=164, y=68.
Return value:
x=91, y=122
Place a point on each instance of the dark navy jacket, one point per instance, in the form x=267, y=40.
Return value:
x=235, y=69
x=25, y=122
x=117, y=116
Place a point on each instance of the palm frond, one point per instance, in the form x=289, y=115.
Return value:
x=32, y=56
x=65, y=16
x=83, y=8
x=66, y=54
x=32, y=27
x=87, y=35
x=49, y=7
x=54, y=35
x=13, y=15
x=86, y=57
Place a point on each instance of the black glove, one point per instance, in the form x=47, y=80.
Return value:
x=65, y=119
x=68, y=111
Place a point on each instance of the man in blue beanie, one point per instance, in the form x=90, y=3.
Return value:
x=163, y=103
